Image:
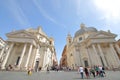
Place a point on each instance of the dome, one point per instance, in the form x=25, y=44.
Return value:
x=85, y=29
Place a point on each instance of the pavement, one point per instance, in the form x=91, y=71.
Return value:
x=53, y=75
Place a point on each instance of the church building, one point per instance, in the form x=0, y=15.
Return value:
x=90, y=47
x=30, y=48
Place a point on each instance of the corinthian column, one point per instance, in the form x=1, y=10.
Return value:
x=35, y=57
x=7, y=55
x=29, y=54
x=96, y=55
x=118, y=48
x=22, y=54
x=115, y=54
x=102, y=55
x=89, y=58
x=2, y=52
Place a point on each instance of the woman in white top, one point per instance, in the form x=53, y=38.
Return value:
x=81, y=70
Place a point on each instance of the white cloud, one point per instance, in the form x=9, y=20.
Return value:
x=43, y=12
x=78, y=6
x=56, y=4
x=17, y=12
x=110, y=9
x=46, y=15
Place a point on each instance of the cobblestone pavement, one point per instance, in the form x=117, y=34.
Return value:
x=6, y=75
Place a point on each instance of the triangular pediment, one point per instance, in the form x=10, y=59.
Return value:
x=102, y=34
x=20, y=34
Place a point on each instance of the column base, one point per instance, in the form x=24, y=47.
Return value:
x=3, y=68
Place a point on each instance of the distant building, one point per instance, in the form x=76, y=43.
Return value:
x=90, y=47
x=63, y=60
x=30, y=48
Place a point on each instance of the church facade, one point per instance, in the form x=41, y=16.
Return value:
x=30, y=48
x=90, y=47
x=3, y=48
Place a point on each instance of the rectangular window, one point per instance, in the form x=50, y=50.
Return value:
x=80, y=38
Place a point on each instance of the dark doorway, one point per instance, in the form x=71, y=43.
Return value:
x=86, y=63
x=18, y=59
x=36, y=66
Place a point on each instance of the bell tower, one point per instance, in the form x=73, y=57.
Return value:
x=69, y=39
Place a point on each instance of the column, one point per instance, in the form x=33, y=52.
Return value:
x=2, y=52
x=44, y=66
x=6, y=57
x=115, y=54
x=29, y=54
x=102, y=55
x=89, y=57
x=81, y=61
x=22, y=54
x=118, y=49
x=90, y=54
x=96, y=55
x=35, y=57
x=77, y=58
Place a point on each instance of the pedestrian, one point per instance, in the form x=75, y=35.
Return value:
x=81, y=70
x=93, y=72
x=48, y=69
x=86, y=72
x=97, y=70
x=101, y=71
x=29, y=72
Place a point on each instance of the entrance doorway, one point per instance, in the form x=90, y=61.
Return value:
x=36, y=66
x=18, y=59
x=86, y=63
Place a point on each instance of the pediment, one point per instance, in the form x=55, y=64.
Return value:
x=19, y=34
x=102, y=34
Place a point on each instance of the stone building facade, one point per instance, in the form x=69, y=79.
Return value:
x=30, y=48
x=90, y=47
x=63, y=60
x=3, y=49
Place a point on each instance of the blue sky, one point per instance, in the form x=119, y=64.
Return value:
x=59, y=17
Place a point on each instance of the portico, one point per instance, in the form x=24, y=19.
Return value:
x=26, y=50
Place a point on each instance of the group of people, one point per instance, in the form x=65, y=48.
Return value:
x=95, y=71
x=10, y=67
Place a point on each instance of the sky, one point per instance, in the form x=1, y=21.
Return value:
x=59, y=17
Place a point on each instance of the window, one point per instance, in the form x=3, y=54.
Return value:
x=80, y=38
x=50, y=42
x=71, y=54
x=69, y=40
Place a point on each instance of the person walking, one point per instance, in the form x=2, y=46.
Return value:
x=93, y=72
x=29, y=72
x=101, y=71
x=48, y=71
x=81, y=70
x=86, y=72
x=97, y=70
